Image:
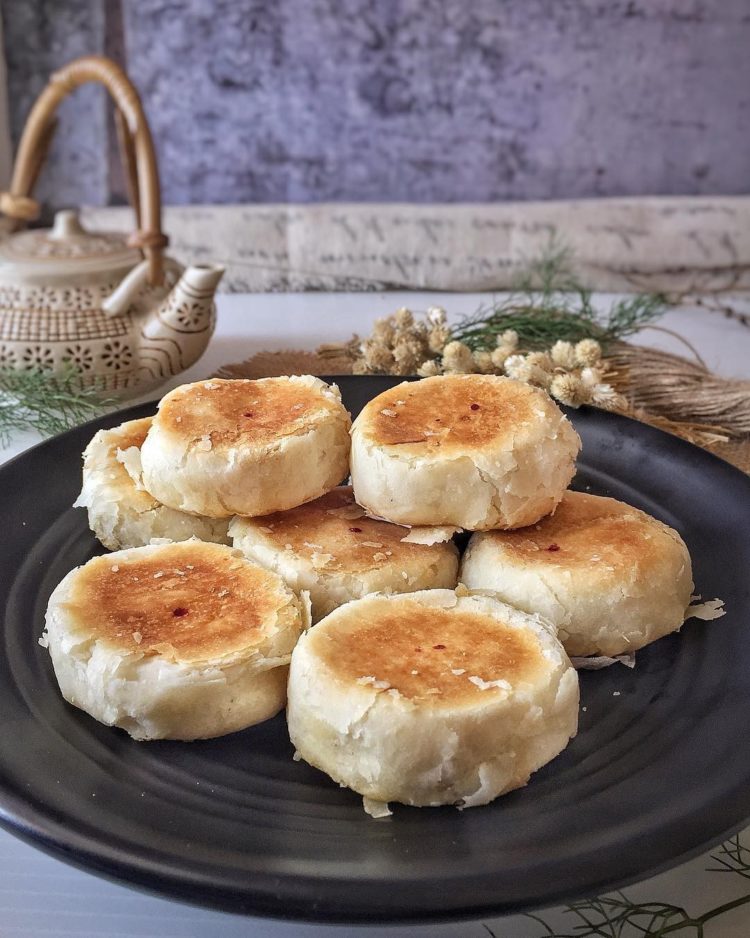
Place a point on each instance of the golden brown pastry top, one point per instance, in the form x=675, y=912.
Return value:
x=130, y=433
x=452, y=412
x=257, y=412
x=586, y=530
x=334, y=534
x=189, y=602
x=430, y=654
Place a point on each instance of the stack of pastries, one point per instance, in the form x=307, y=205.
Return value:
x=244, y=576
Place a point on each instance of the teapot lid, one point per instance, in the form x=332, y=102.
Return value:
x=65, y=249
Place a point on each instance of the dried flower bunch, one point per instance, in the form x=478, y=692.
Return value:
x=402, y=344
x=399, y=344
x=547, y=333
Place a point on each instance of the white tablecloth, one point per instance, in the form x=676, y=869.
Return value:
x=41, y=897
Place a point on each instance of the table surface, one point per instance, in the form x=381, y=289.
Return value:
x=40, y=896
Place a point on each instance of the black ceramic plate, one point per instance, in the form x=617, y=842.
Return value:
x=660, y=769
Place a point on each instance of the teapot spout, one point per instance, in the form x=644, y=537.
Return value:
x=201, y=279
x=185, y=321
x=189, y=308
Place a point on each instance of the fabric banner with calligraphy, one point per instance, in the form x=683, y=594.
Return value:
x=676, y=244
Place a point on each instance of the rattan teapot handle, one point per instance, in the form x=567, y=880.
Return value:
x=135, y=138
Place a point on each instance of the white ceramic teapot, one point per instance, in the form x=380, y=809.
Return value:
x=113, y=307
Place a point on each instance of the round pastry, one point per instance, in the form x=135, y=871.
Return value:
x=431, y=698
x=121, y=512
x=610, y=577
x=330, y=548
x=220, y=448
x=177, y=641
x=475, y=451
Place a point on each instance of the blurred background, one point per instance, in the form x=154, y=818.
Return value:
x=395, y=100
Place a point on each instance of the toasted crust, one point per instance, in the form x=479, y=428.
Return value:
x=428, y=653
x=335, y=527
x=450, y=414
x=431, y=698
x=220, y=448
x=592, y=532
x=254, y=413
x=610, y=577
x=473, y=451
x=180, y=641
x=131, y=433
x=332, y=549
x=189, y=603
x=121, y=512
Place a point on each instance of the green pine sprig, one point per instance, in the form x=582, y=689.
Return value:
x=617, y=916
x=732, y=857
x=48, y=403
x=549, y=304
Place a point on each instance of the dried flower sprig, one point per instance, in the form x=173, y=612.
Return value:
x=547, y=305
x=547, y=333
x=574, y=374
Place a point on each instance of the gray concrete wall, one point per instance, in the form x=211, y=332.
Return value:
x=418, y=100
x=40, y=36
